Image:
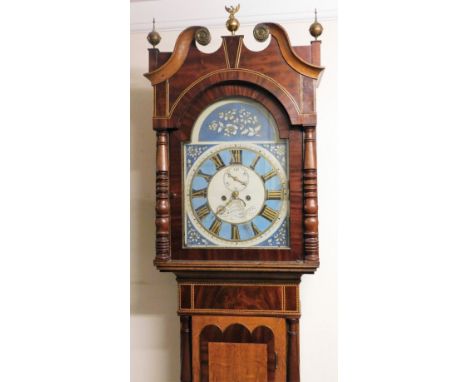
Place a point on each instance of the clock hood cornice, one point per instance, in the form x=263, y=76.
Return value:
x=284, y=71
x=186, y=39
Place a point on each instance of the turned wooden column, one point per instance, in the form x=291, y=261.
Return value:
x=162, y=197
x=311, y=241
x=311, y=248
x=185, y=349
x=293, y=350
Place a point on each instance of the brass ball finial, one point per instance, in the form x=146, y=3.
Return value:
x=232, y=24
x=154, y=37
x=316, y=28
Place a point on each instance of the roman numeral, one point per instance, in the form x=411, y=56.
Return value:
x=274, y=194
x=199, y=193
x=202, y=211
x=255, y=229
x=218, y=161
x=236, y=156
x=270, y=174
x=268, y=213
x=207, y=177
x=254, y=162
x=235, y=232
x=215, y=227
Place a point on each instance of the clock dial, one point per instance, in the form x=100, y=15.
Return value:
x=237, y=194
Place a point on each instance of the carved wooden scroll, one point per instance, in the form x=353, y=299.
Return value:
x=261, y=33
x=178, y=57
x=162, y=197
x=310, y=197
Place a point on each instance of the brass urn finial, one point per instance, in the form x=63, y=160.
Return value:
x=232, y=24
x=154, y=37
x=316, y=28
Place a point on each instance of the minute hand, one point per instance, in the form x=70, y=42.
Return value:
x=237, y=179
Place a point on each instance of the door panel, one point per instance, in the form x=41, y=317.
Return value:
x=220, y=345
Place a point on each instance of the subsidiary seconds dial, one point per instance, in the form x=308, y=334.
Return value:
x=236, y=178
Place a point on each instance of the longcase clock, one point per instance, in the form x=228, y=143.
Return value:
x=236, y=197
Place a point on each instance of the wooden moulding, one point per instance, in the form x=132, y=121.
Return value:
x=255, y=267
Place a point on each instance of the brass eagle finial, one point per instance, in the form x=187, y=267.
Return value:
x=232, y=24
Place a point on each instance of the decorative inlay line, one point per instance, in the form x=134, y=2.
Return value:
x=236, y=284
x=239, y=311
x=298, y=302
x=226, y=56
x=167, y=97
x=301, y=91
x=192, y=296
x=239, y=50
x=283, y=297
x=193, y=84
x=155, y=113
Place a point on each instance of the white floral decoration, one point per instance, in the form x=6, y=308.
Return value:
x=193, y=236
x=236, y=122
x=193, y=152
x=279, y=237
x=278, y=150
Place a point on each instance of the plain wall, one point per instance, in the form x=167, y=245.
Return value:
x=154, y=321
